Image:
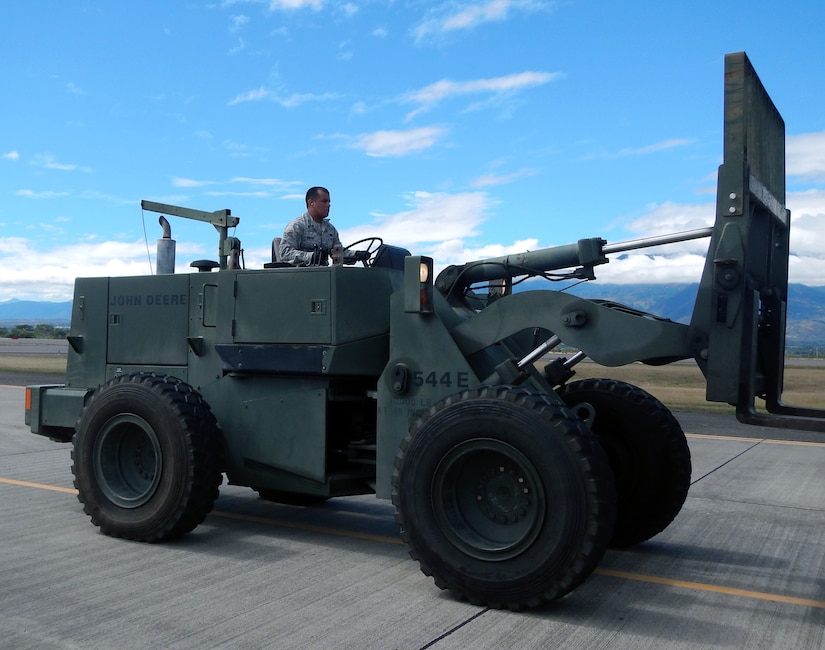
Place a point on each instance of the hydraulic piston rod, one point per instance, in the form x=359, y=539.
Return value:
x=583, y=255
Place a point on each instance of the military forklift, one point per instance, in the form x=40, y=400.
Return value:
x=509, y=478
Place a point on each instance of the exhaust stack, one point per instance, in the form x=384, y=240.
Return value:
x=166, y=249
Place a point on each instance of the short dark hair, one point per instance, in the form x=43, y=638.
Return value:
x=313, y=192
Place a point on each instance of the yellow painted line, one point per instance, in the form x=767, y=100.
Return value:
x=798, y=443
x=766, y=441
x=709, y=436
x=233, y=515
x=310, y=527
x=625, y=575
x=39, y=486
x=699, y=586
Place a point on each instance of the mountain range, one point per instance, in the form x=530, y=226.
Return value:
x=805, y=326
x=806, y=305
x=32, y=312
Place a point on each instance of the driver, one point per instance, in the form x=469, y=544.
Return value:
x=309, y=239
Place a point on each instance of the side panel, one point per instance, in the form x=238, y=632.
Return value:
x=86, y=358
x=320, y=306
x=285, y=430
x=204, y=319
x=274, y=428
x=289, y=306
x=148, y=320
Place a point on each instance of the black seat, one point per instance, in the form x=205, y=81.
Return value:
x=276, y=262
x=390, y=257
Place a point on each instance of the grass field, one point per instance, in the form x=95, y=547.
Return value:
x=680, y=386
x=55, y=363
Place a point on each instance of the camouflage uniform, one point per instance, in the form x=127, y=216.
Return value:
x=303, y=236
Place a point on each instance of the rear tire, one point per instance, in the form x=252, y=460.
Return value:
x=504, y=497
x=146, y=458
x=647, y=451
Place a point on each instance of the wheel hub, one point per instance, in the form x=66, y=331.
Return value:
x=128, y=461
x=487, y=498
x=503, y=495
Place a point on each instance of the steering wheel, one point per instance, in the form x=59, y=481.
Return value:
x=365, y=255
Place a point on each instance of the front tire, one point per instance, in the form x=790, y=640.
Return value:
x=146, y=458
x=504, y=497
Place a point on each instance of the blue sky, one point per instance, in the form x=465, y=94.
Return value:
x=457, y=129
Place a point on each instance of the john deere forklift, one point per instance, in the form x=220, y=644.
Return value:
x=373, y=376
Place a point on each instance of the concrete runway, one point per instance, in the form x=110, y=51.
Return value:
x=743, y=566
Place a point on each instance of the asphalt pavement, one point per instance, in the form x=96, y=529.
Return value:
x=743, y=566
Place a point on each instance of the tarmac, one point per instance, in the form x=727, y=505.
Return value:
x=742, y=566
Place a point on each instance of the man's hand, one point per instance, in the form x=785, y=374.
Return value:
x=319, y=257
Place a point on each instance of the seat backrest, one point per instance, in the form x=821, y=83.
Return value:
x=390, y=257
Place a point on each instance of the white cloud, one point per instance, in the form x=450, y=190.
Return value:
x=29, y=194
x=398, y=143
x=273, y=182
x=296, y=99
x=493, y=10
x=189, y=182
x=236, y=23
x=240, y=47
x=32, y=274
x=251, y=96
x=644, y=150
x=457, y=251
x=47, y=161
x=684, y=261
x=14, y=246
x=442, y=225
x=287, y=101
x=274, y=5
x=269, y=183
x=11, y=155
x=808, y=223
x=74, y=90
x=432, y=218
x=261, y=194
x=667, y=218
x=500, y=179
x=805, y=156
x=469, y=15
x=431, y=95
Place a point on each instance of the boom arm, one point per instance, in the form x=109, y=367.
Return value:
x=221, y=219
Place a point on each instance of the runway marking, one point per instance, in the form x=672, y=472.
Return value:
x=625, y=575
x=766, y=441
x=700, y=586
x=39, y=486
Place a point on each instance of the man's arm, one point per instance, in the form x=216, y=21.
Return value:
x=289, y=250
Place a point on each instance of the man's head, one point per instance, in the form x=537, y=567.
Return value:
x=318, y=203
